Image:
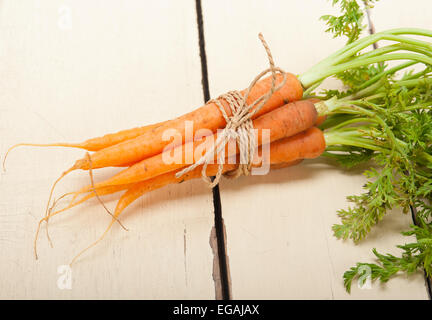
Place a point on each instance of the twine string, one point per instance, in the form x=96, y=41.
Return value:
x=239, y=125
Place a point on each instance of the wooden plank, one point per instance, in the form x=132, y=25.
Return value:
x=397, y=14
x=279, y=238
x=78, y=69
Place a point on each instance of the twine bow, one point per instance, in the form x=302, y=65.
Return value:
x=238, y=126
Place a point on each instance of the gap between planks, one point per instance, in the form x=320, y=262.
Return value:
x=221, y=274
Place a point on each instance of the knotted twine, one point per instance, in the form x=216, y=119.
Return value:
x=238, y=126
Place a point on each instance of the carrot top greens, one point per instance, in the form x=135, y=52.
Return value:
x=350, y=23
x=350, y=59
x=384, y=119
x=392, y=126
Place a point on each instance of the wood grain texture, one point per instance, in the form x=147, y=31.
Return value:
x=75, y=69
x=398, y=14
x=78, y=69
x=279, y=237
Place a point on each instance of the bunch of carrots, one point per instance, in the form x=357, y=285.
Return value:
x=292, y=116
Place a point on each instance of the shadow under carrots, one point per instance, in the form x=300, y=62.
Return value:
x=308, y=170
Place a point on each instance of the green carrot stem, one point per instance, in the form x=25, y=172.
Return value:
x=345, y=58
x=387, y=72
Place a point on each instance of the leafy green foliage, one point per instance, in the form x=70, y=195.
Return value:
x=415, y=256
x=350, y=22
x=352, y=79
x=386, y=123
x=352, y=156
x=370, y=207
x=401, y=127
x=356, y=77
x=404, y=175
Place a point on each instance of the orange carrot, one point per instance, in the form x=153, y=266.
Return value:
x=282, y=122
x=321, y=118
x=162, y=180
x=283, y=153
x=206, y=117
x=111, y=139
x=288, y=151
x=308, y=144
x=94, y=144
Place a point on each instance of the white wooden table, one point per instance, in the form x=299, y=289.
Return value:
x=77, y=69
